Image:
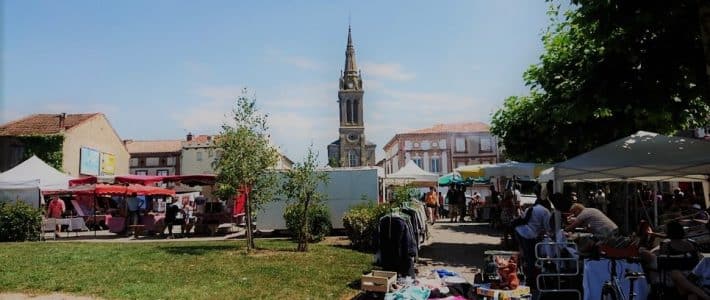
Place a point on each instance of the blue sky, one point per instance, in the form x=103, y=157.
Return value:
x=160, y=69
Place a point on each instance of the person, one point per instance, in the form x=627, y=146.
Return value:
x=171, y=219
x=187, y=211
x=508, y=213
x=696, y=284
x=432, y=201
x=495, y=205
x=56, y=209
x=600, y=201
x=473, y=205
x=453, y=205
x=461, y=202
x=133, y=207
x=441, y=211
x=530, y=229
x=676, y=244
x=593, y=220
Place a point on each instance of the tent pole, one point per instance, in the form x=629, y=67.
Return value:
x=94, y=213
x=626, y=206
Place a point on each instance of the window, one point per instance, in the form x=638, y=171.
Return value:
x=134, y=162
x=349, y=111
x=460, y=164
x=352, y=158
x=355, y=109
x=485, y=145
x=435, y=165
x=162, y=173
x=210, y=153
x=152, y=161
x=171, y=161
x=141, y=172
x=460, y=145
x=418, y=161
x=199, y=155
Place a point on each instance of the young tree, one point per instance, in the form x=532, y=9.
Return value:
x=301, y=184
x=246, y=159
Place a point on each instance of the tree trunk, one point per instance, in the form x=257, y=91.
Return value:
x=247, y=211
x=303, y=239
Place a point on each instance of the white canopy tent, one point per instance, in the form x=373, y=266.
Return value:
x=50, y=179
x=26, y=191
x=412, y=174
x=643, y=156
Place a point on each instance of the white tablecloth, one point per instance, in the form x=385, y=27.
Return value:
x=596, y=272
x=74, y=224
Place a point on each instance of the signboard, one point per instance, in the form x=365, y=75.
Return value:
x=89, y=162
x=108, y=164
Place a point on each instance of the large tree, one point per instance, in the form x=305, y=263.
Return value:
x=609, y=68
x=246, y=159
x=301, y=185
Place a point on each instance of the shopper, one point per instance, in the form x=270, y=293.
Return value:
x=56, y=210
x=531, y=229
x=593, y=220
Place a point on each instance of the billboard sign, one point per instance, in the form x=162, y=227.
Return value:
x=89, y=162
x=108, y=164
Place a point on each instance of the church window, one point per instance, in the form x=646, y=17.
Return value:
x=352, y=158
x=355, y=111
x=349, y=111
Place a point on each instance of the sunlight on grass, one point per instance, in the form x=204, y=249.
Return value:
x=181, y=270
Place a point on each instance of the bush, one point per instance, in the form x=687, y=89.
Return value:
x=318, y=219
x=360, y=224
x=19, y=222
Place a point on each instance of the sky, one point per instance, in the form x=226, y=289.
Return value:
x=160, y=69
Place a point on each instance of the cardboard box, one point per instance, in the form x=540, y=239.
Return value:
x=520, y=292
x=378, y=281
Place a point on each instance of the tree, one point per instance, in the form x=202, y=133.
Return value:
x=301, y=185
x=246, y=159
x=610, y=68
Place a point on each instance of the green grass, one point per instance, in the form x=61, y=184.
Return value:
x=181, y=270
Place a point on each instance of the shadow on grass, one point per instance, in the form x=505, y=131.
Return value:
x=199, y=249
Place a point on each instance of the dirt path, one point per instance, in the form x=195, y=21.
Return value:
x=457, y=247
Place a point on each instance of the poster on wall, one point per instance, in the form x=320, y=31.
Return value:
x=108, y=164
x=89, y=162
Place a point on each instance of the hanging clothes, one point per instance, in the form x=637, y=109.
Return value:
x=396, y=244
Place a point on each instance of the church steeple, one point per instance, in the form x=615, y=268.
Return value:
x=350, y=65
x=351, y=77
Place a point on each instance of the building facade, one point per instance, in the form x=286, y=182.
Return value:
x=159, y=158
x=351, y=149
x=442, y=148
x=90, y=145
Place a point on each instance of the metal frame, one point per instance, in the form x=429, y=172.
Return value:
x=558, y=276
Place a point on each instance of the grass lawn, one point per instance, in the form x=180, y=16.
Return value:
x=181, y=270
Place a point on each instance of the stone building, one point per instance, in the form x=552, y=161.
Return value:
x=159, y=157
x=89, y=144
x=351, y=149
x=442, y=148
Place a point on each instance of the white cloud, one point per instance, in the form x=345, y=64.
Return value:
x=390, y=71
x=302, y=62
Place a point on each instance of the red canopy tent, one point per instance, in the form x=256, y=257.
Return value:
x=108, y=189
x=130, y=179
x=192, y=180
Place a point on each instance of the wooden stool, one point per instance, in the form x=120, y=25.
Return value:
x=137, y=230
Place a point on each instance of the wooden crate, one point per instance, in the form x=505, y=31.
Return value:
x=378, y=281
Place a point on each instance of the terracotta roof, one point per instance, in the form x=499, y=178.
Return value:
x=199, y=139
x=455, y=127
x=43, y=124
x=154, y=146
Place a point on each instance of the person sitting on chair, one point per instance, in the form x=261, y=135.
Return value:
x=676, y=244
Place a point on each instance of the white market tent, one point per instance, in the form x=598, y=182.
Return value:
x=643, y=156
x=412, y=174
x=50, y=179
x=26, y=191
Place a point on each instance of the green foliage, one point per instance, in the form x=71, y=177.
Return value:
x=246, y=157
x=47, y=147
x=319, y=225
x=301, y=185
x=360, y=223
x=610, y=68
x=19, y=222
x=402, y=194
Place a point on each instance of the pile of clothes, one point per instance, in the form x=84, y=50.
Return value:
x=440, y=284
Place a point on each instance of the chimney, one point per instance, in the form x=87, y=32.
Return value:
x=62, y=118
x=189, y=136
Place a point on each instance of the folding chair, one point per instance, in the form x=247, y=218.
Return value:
x=48, y=225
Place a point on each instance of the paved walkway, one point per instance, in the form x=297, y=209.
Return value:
x=457, y=247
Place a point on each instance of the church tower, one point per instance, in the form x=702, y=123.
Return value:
x=351, y=149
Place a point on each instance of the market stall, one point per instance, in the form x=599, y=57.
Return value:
x=33, y=169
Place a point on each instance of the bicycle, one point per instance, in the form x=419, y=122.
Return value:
x=611, y=289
